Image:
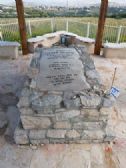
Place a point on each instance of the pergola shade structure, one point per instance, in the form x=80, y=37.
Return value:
x=22, y=26
x=100, y=31
x=101, y=25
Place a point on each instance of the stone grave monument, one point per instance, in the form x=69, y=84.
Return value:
x=63, y=101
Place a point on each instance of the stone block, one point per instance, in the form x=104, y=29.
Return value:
x=31, y=122
x=90, y=114
x=47, y=102
x=77, y=119
x=72, y=134
x=41, y=110
x=26, y=111
x=90, y=100
x=110, y=134
x=85, y=125
x=23, y=102
x=21, y=136
x=58, y=141
x=67, y=115
x=69, y=94
x=56, y=134
x=35, y=95
x=93, y=134
x=62, y=125
x=58, y=93
x=88, y=63
x=72, y=103
x=37, y=134
x=93, y=74
x=106, y=111
x=60, y=110
x=39, y=141
x=32, y=72
x=90, y=111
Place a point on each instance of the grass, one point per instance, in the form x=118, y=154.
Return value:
x=40, y=28
x=76, y=25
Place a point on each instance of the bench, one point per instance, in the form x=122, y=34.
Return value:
x=113, y=50
x=9, y=49
x=46, y=40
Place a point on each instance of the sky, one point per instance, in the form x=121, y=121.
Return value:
x=62, y=2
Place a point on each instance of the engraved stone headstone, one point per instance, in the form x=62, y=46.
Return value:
x=61, y=69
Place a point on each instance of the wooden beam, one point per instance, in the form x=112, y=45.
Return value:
x=22, y=26
x=101, y=25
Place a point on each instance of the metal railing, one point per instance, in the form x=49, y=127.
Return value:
x=38, y=27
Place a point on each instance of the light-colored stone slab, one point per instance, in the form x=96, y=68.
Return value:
x=21, y=136
x=90, y=101
x=30, y=122
x=93, y=134
x=61, y=69
x=72, y=134
x=62, y=125
x=37, y=134
x=89, y=125
x=59, y=134
x=67, y=115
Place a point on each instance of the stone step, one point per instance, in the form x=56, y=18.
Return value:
x=89, y=125
x=65, y=120
x=54, y=136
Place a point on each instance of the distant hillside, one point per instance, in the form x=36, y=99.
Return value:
x=115, y=10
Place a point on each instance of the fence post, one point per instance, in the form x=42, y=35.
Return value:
x=52, y=24
x=88, y=29
x=119, y=34
x=29, y=28
x=1, y=35
x=67, y=25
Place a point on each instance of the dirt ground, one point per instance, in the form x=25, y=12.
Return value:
x=12, y=77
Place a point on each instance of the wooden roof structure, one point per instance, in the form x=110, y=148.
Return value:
x=101, y=26
x=23, y=31
x=22, y=26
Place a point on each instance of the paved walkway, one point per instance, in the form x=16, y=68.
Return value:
x=12, y=75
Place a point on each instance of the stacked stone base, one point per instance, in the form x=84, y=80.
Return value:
x=60, y=125
x=59, y=136
x=64, y=115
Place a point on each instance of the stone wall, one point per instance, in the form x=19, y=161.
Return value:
x=51, y=39
x=65, y=115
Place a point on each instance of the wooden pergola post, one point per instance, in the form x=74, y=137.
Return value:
x=101, y=25
x=22, y=26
